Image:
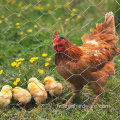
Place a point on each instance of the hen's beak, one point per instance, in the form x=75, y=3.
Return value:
x=54, y=44
x=11, y=89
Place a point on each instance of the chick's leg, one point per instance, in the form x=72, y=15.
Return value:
x=19, y=104
x=52, y=94
x=24, y=106
x=57, y=98
x=38, y=102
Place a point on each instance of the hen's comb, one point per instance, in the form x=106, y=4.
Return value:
x=55, y=35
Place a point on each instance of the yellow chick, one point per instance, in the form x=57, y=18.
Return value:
x=21, y=95
x=37, y=91
x=37, y=82
x=53, y=87
x=5, y=96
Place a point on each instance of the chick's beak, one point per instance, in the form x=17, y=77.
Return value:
x=28, y=82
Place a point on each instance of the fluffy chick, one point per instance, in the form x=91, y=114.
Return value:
x=37, y=82
x=53, y=87
x=37, y=91
x=5, y=96
x=21, y=95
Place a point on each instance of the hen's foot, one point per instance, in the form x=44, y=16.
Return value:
x=67, y=103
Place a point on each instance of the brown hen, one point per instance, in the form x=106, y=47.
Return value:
x=90, y=64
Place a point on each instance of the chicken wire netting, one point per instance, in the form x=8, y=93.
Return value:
x=27, y=29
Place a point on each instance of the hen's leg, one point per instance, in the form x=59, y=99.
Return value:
x=96, y=100
x=71, y=98
x=97, y=92
x=75, y=93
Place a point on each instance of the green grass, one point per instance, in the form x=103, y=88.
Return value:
x=14, y=45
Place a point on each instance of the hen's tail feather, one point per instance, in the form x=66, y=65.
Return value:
x=105, y=32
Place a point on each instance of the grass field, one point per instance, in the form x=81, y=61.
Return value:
x=26, y=31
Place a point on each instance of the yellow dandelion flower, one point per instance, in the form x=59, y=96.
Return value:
x=46, y=64
x=35, y=8
x=10, y=23
x=20, y=4
x=60, y=6
x=12, y=2
x=48, y=59
x=0, y=21
x=41, y=8
x=79, y=16
x=29, y=4
x=67, y=3
x=8, y=0
x=35, y=26
x=36, y=58
x=41, y=71
x=1, y=72
x=21, y=59
x=6, y=19
x=29, y=30
x=10, y=26
x=19, y=74
x=31, y=60
x=17, y=24
x=22, y=8
x=43, y=28
x=48, y=5
x=18, y=80
x=72, y=14
x=74, y=10
x=55, y=6
x=65, y=23
x=18, y=15
x=13, y=64
x=18, y=64
x=15, y=83
x=21, y=33
x=44, y=54
x=17, y=60
x=49, y=11
x=4, y=81
x=2, y=17
x=59, y=19
x=67, y=19
x=38, y=1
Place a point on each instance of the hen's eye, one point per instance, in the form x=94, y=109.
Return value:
x=61, y=37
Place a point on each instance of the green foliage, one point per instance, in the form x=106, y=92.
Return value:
x=18, y=41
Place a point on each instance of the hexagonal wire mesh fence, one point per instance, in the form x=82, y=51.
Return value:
x=30, y=48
